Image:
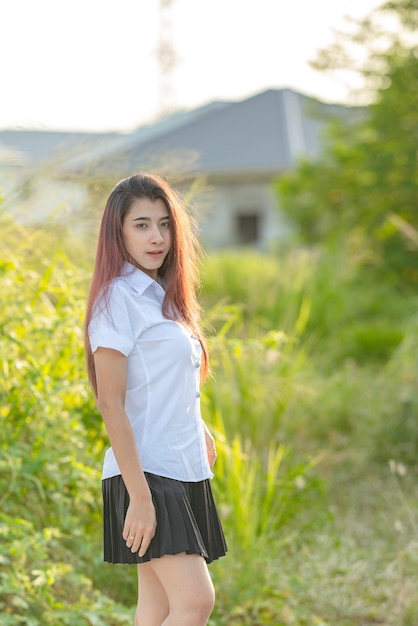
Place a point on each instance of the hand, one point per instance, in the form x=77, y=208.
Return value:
x=140, y=526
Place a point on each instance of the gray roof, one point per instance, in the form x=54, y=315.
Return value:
x=265, y=133
x=35, y=147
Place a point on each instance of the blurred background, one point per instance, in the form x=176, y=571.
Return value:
x=101, y=65
x=292, y=133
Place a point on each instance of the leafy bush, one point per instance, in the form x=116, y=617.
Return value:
x=37, y=588
x=53, y=441
x=295, y=401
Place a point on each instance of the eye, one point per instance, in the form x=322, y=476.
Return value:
x=141, y=225
x=165, y=224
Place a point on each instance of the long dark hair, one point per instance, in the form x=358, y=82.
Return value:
x=179, y=271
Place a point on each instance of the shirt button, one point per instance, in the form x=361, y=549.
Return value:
x=197, y=363
x=197, y=394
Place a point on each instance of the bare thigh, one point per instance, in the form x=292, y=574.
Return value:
x=152, y=606
x=188, y=587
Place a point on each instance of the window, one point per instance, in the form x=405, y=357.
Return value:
x=248, y=228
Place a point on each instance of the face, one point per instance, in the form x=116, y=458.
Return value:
x=146, y=234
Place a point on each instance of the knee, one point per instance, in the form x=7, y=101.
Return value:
x=196, y=612
x=203, y=605
x=207, y=602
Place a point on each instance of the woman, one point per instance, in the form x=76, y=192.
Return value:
x=146, y=356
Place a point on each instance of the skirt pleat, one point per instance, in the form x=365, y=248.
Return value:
x=187, y=520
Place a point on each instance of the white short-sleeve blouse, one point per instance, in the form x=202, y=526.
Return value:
x=163, y=378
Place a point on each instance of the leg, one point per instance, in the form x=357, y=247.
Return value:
x=152, y=606
x=188, y=587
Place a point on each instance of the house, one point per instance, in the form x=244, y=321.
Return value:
x=237, y=150
x=31, y=164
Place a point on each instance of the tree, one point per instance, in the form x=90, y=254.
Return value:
x=366, y=178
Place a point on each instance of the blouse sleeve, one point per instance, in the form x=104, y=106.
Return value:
x=115, y=325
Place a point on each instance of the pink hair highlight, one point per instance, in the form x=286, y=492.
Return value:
x=179, y=271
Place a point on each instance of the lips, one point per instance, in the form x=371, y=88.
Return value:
x=156, y=253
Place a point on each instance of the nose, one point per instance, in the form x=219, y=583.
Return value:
x=156, y=236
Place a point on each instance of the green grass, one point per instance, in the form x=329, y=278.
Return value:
x=313, y=402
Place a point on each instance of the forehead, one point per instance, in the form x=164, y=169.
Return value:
x=145, y=207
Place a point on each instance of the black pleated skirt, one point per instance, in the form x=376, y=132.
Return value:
x=187, y=520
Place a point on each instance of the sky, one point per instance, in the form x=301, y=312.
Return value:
x=92, y=65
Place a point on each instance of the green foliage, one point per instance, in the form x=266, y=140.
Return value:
x=324, y=296
x=365, y=182
x=38, y=589
x=272, y=493
x=53, y=442
x=313, y=387
x=48, y=476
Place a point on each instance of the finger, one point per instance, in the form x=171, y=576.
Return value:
x=136, y=544
x=126, y=532
x=146, y=540
x=141, y=542
x=129, y=539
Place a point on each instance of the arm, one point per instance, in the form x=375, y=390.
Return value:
x=210, y=446
x=111, y=375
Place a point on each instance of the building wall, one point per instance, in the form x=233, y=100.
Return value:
x=240, y=214
x=38, y=198
x=230, y=214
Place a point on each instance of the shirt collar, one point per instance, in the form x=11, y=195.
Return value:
x=138, y=279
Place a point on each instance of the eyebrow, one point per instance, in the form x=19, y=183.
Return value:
x=148, y=219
